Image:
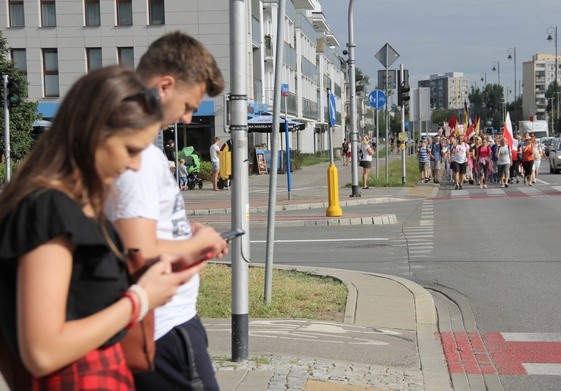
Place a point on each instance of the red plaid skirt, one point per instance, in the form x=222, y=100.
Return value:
x=100, y=370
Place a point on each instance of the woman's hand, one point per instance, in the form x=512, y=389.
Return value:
x=160, y=283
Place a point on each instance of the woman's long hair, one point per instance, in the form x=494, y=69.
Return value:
x=100, y=104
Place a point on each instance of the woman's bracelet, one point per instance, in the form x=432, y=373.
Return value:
x=143, y=300
x=134, y=301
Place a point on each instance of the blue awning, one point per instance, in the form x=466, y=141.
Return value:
x=206, y=109
x=48, y=109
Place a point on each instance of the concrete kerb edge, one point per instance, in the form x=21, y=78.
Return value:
x=280, y=208
x=433, y=364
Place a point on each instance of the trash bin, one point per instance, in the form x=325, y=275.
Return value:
x=337, y=153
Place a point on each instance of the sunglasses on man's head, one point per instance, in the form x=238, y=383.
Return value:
x=149, y=98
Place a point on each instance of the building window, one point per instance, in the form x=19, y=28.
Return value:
x=19, y=57
x=50, y=72
x=93, y=58
x=124, y=12
x=16, y=13
x=48, y=13
x=156, y=12
x=126, y=57
x=93, y=17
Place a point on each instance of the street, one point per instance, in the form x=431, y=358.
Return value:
x=492, y=254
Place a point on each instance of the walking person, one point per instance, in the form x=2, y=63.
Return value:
x=366, y=153
x=460, y=153
x=423, y=158
x=215, y=160
x=483, y=158
x=504, y=161
x=66, y=298
x=538, y=154
x=435, y=156
x=149, y=213
x=344, y=152
x=528, y=160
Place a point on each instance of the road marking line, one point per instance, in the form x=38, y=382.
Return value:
x=532, y=337
x=320, y=240
x=543, y=369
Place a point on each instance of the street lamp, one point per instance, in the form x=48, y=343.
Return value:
x=512, y=56
x=553, y=30
x=484, y=77
x=497, y=67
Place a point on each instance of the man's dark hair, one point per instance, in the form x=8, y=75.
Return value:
x=183, y=57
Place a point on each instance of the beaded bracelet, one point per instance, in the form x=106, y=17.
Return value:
x=143, y=300
x=134, y=316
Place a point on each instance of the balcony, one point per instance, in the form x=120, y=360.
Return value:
x=318, y=20
x=331, y=40
x=304, y=4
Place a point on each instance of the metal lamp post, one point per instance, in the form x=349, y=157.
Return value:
x=497, y=67
x=553, y=30
x=484, y=78
x=512, y=56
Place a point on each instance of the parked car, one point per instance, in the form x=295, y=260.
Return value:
x=555, y=156
x=546, y=142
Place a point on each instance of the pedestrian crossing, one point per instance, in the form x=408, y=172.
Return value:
x=540, y=188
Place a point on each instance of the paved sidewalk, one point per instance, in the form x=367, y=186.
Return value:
x=388, y=339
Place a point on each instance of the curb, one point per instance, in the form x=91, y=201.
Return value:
x=292, y=207
x=433, y=365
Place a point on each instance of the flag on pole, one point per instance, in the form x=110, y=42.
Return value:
x=477, y=124
x=466, y=115
x=507, y=131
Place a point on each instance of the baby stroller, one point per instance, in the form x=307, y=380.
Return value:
x=193, y=164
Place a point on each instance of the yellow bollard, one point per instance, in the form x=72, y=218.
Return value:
x=334, y=209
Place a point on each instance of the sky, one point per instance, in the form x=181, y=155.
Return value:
x=439, y=36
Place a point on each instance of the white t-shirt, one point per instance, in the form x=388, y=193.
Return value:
x=214, y=153
x=460, y=153
x=365, y=155
x=152, y=193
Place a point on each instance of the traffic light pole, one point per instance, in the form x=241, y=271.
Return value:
x=402, y=84
x=6, y=131
x=352, y=105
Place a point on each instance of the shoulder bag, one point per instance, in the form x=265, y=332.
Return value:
x=138, y=344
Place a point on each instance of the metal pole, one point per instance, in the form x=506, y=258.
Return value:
x=378, y=144
x=556, y=70
x=271, y=212
x=7, y=152
x=240, y=192
x=352, y=105
x=287, y=138
x=176, y=152
x=387, y=117
x=403, y=170
x=333, y=207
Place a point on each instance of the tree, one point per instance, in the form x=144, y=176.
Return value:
x=23, y=115
x=487, y=105
x=552, y=91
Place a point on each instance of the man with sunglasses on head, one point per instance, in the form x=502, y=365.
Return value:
x=148, y=210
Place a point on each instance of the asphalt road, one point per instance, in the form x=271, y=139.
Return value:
x=495, y=251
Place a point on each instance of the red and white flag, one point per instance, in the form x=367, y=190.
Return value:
x=507, y=131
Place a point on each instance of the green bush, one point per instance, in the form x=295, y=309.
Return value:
x=206, y=170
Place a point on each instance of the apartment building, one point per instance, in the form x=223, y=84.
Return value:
x=447, y=91
x=54, y=42
x=537, y=75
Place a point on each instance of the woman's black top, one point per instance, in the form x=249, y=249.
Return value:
x=98, y=278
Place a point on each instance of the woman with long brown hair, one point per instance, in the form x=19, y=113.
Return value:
x=65, y=294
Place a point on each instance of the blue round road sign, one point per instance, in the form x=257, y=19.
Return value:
x=377, y=99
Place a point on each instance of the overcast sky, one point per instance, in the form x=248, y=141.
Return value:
x=439, y=36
